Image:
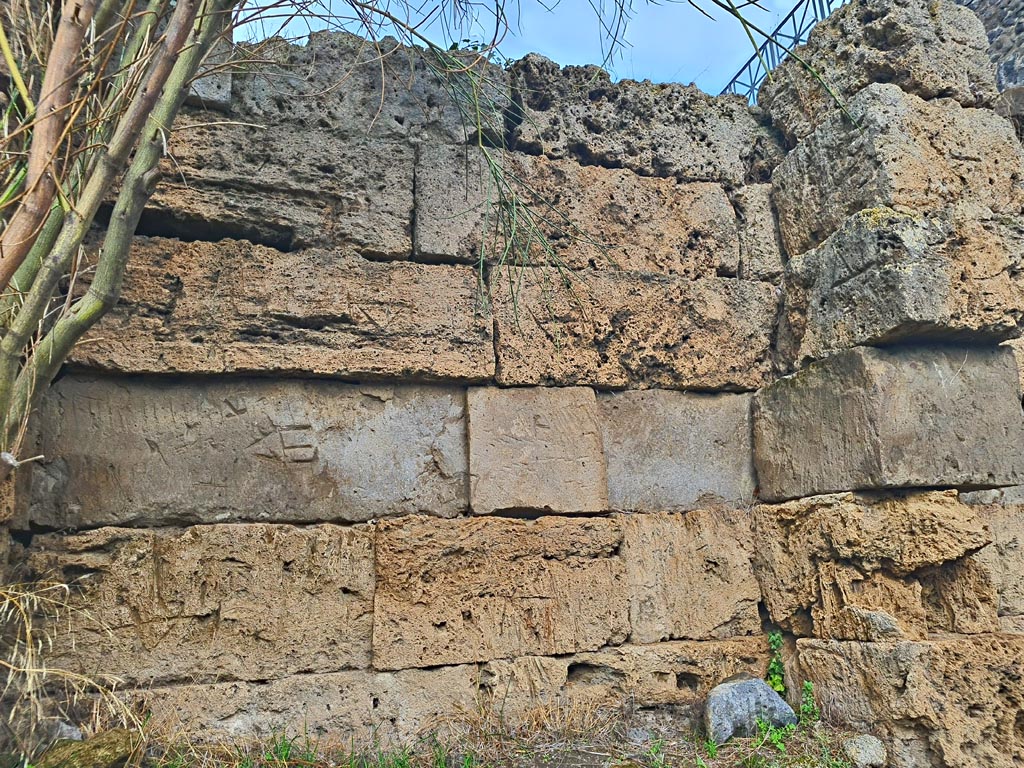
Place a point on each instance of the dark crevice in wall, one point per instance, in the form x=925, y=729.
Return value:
x=160, y=223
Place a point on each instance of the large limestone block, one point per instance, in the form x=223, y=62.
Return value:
x=615, y=330
x=675, y=674
x=535, y=449
x=486, y=588
x=955, y=701
x=209, y=603
x=673, y=451
x=590, y=217
x=285, y=188
x=395, y=707
x=652, y=129
x=887, y=277
x=351, y=87
x=904, y=153
x=233, y=307
x=152, y=452
x=760, y=246
x=343, y=708
x=690, y=576
x=1003, y=559
x=858, y=567
x=931, y=48
x=901, y=418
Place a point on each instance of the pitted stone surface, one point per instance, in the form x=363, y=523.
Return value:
x=887, y=277
x=357, y=706
x=398, y=706
x=211, y=603
x=905, y=153
x=864, y=567
x=284, y=188
x=655, y=130
x=342, y=84
x=673, y=451
x=489, y=588
x=234, y=307
x=930, y=48
x=616, y=330
x=536, y=449
x=761, y=255
x=591, y=217
x=872, y=418
x=151, y=452
x=690, y=576
x=929, y=700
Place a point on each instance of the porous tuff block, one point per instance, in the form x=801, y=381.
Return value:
x=903, y=153
x=618, y=330
x=285, y=188
x=653, y=129
x=866, y=567
x=395, y=707
x=930, y=48
x=672, y=451
x=887, y=277
x=488, y=588
x=212, y=602
x=872, y=418
x=591, y=217
x=689, y=576
x=232, y=307
x=928, y=700
x=536, y=449
x=151, y=452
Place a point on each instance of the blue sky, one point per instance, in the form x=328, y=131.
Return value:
x=669, y=42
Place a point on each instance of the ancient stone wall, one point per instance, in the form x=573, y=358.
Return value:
x=377, y=434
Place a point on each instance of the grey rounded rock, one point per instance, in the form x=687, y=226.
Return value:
x=733, y=708
x=864, y=752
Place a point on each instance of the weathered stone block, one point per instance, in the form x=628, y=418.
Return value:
x=394, y=707
x=489, y=588
x=760, y=247
x=591, y=217
x=930, y=701
x=536, y=449
x=901, y=418
x=690, y=576
x=615, y=330
x=1003, y=559
x=888, y=277
x=932, y=49
x=285, y=188
x=209, y=603
x=904, y=153
x=151, y=452
x=676, y=674
x=673, y=451
x=233, y=307
x=212, y=88
x=857, y=567
x=652, y=129
x=350, y=707
x=348, y=86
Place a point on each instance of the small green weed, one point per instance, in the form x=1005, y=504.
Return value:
x=773, y=735
x=711, y=748
x=809, y=712
x=656, y=753
x=776, y=676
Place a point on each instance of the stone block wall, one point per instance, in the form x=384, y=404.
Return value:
x=332, y=463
